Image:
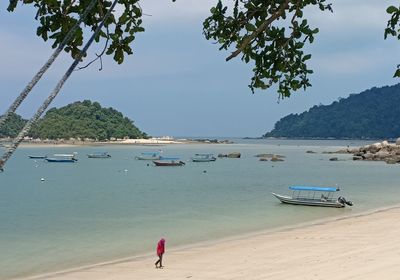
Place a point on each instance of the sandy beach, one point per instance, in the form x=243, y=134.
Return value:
x=365, y=246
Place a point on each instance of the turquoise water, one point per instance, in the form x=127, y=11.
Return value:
x=98, y=210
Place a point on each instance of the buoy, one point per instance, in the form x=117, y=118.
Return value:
x=126, y=170
x=204, y=171
x=42, y=179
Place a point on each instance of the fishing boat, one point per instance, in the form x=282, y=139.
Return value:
x=99, y=155
x=314, y=196
x=149, y=156
x=203, y=158
x=163, y=161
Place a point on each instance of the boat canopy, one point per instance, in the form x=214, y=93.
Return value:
x=169, y=158
x=316, y=189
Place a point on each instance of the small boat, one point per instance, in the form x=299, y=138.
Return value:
x=149, y=156
x=203, y=158
x=314, y=196
x=99, y=155
x=168, y=162
x=65, y=155
x=37, y=157
x=61, y=159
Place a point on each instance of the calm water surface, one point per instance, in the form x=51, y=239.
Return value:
x=98, y=210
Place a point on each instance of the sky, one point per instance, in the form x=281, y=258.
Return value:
x=178, y=84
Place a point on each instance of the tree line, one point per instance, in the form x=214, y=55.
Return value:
x=372, y=114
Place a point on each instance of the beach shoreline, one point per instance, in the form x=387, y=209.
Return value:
x=128, y=142
x=188, y=259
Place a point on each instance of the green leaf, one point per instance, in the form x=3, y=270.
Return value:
x=391, y=10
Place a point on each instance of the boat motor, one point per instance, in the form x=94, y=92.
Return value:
x=343, y=201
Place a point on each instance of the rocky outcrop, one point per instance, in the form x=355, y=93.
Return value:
x=231, y=155
x=272, y=157
x=234, y=155
x=383, y=151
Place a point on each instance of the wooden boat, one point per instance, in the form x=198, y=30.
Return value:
x=168, y=162
x=314, y=196
x=149, y=156
x=99, y=155
x=203, y=158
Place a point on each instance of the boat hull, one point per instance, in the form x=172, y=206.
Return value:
x=98, y=156
x=175, y=163
x=37, y=157
x=308, y=202
x=203, y=160
x=61, y=160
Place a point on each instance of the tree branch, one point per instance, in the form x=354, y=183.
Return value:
x=260, y=29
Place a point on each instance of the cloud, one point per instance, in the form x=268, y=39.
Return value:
x=354, y=61
x=360, y=15
x=156, y=11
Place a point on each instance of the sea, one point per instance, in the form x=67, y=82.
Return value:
x=59, y=216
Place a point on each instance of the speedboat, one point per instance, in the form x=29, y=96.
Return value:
x=314, y=196
x=203, y=158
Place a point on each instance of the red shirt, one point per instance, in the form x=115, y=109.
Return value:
x=161, y=247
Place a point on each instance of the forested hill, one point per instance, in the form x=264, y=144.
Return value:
x=372, y=114
x=12, y=126
x=80, y=120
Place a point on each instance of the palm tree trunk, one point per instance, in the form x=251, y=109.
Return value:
x=46, y=66
x=14, y=145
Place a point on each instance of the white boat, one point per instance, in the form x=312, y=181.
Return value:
x=62, y=158
x=314, y=196
x=149, y=156
x=203, y=158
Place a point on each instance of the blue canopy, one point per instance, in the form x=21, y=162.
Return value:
x=169, y=158
x=316, y=189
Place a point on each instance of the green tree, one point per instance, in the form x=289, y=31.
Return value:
x=85, y=120
x=12, y=126
x=271, y=35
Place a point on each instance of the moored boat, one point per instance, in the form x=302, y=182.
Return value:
x=37, y=157
x=99, y=155
x=168, y=162
x=314, y=196
x=149, y=156
x=61, y=159
x=203, y=158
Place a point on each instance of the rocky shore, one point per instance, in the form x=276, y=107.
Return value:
x=382, y=151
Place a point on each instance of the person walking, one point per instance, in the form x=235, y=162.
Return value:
x=160, y=252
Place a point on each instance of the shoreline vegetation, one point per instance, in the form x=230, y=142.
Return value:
x=156, y=141
x=335, y=248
